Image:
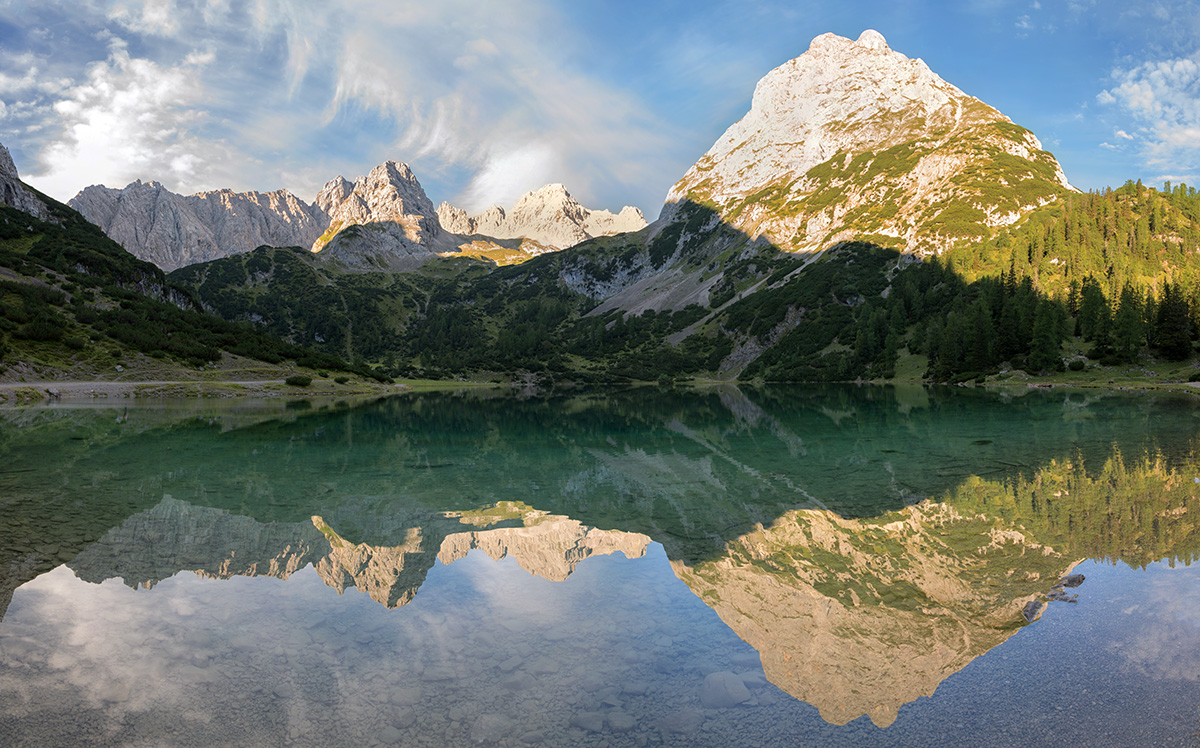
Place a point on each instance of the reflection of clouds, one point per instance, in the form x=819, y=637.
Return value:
x=263, y=661
x=1166, y=636
x=515, y=598
x=119, y=656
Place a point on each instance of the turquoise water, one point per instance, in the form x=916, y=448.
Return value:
x=793, y=566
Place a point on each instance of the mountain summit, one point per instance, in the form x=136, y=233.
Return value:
x=854, y=140
x=383, y=219
x=14, y=192
x=549, y=215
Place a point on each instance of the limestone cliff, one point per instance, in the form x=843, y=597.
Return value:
x=549, y=215
x=863, y=616
x=384, y=220
x=14, y=192
x=172, y=230
x=854, y=140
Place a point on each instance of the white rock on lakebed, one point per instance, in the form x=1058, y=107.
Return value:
x=722, y=690
x=490, y=728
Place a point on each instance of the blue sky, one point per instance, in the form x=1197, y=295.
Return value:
x=488, y=99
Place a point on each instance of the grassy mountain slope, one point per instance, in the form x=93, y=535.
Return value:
x=697, y=297
x=74, y=303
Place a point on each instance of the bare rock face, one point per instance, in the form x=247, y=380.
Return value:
x=550, y=547
x=173, y=230
x=863, y=632
x=14, y=192
x=383, y=221
x=854, y=140
x=549, y=215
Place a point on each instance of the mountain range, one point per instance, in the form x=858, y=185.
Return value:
x=173, y=230
x=864, y=218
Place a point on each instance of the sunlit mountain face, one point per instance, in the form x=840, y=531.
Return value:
x=724, y=567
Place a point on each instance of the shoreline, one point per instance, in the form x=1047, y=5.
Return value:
x=51, y=391
x=32, y=393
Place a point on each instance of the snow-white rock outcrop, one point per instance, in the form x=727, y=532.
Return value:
x=14, y=192
x=851, y=138
x=549, y=215
x=173, y=230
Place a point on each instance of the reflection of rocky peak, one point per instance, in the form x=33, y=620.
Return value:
x=550, y=548
x=861, y=617
x=390, y=576
x=156, y=544
x=176, y=536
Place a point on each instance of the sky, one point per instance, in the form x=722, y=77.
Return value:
x=487, y=99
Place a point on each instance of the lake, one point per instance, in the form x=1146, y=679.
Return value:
x=822, y=565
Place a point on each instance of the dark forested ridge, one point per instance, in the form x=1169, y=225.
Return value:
x=70, y=295
x=1105, y=277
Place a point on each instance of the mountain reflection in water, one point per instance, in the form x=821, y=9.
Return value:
x=868, y=542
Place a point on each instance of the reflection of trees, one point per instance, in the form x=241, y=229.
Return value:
x=862, y=616
x=901, y=527
x=1137, y=510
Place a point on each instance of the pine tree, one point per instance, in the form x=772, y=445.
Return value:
x=1128, y=326
x=1047, y=338
x=1173, y=325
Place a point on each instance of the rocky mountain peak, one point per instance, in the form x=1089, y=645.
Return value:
x=14, y=192
x=334, y=192
x=854, y=138
x=389, y=202
x=7, y=168
x=549, y=215
x=172, y=230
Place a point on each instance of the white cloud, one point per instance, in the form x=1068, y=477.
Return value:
x=1110, y=146
x=1023, y=22
x=1165, y=97
x=1122, y=134
x=504, y=172
x=156, y=17
x=482, y=99
x=129, y=118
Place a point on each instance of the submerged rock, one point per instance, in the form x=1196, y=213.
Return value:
x=490, y=728
x=589, y=721
x=1071, y=580
x=1031, y=610
x=722, y=690
x=683, y=722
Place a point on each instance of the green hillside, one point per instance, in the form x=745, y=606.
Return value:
x=73, y=300
x=1114, y=276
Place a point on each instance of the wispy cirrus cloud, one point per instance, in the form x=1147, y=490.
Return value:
x=127, y=118
x=259, y=91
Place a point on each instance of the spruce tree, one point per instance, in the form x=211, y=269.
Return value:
x=1047, y=338
x=1128, y=326
x=1173, y=325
